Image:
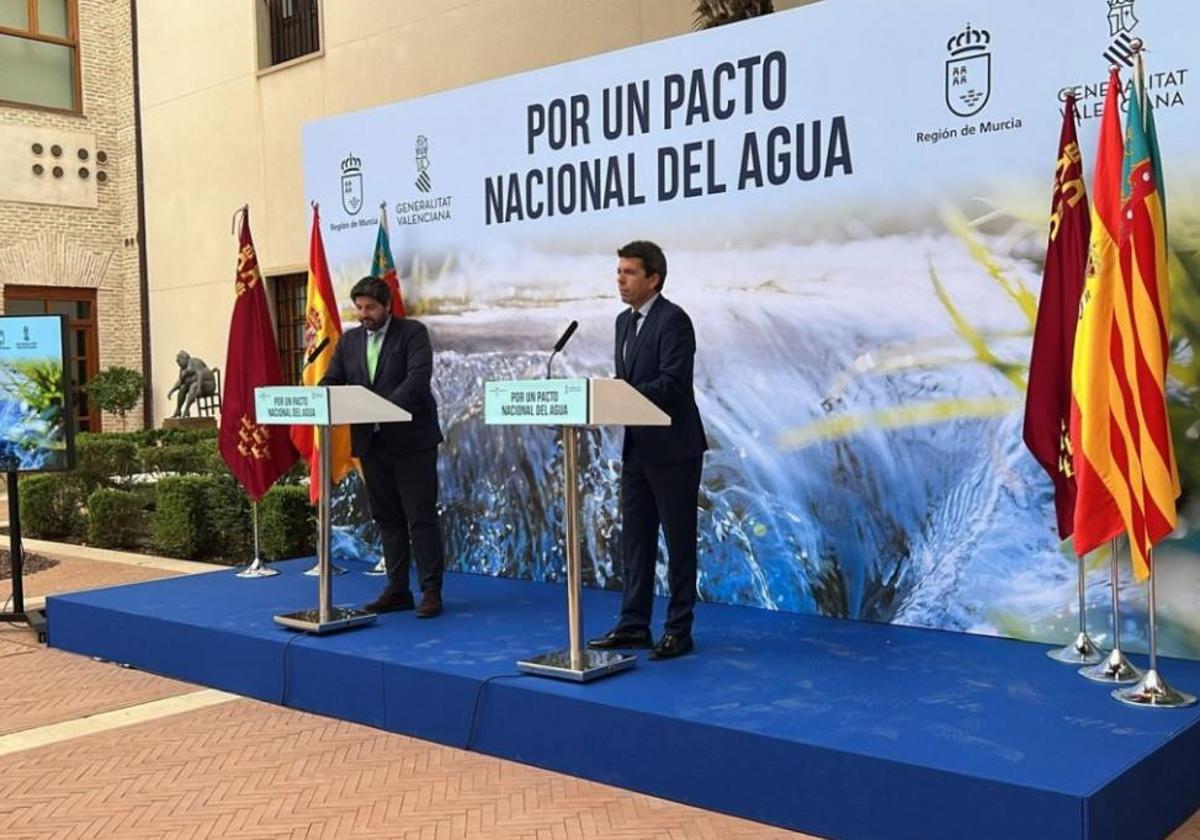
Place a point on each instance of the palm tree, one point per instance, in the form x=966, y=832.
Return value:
x=710, y=13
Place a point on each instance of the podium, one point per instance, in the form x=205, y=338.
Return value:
x=324, y=407
x=571, y=404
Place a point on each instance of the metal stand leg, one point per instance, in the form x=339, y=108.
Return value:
x=256, y=569
x=1083, y=650
x=326, y=618
x=1152, y=690
x=1114, y=668
x=576, y=662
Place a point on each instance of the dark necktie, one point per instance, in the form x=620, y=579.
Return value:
x=630, y=340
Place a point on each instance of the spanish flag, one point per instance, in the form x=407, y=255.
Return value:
x=322, y=329
x=1100, y=439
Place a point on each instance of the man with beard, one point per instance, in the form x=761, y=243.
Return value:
x=394, y=358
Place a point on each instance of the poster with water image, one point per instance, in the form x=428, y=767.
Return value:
x=35, y=418
x=855, y=219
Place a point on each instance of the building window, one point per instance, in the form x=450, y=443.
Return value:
x=39, y=53
x=83, y=346
x=288, y=29
x=291, y=294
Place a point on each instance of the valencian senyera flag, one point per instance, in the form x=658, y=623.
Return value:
x=1127, y=478
x=384, y=268
x=1048, y=399
x=322, y=331
x=256, y=455
x=1146, y=321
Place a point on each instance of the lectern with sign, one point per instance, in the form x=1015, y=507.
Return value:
x=571, y=404
x=324, y=407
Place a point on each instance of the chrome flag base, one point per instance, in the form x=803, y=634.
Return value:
x=1082, y=651
x=1154, y=691
x=257, y=569
x=1114, y=669
x=379, y=568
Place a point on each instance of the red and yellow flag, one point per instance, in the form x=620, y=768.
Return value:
x=1144, y=323
x=1127, y=478
x=322, y=329
x=384, y=267
x=1103, y=503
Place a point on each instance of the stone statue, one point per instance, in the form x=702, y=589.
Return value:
x=195, y=380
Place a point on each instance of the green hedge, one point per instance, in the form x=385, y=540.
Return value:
x=182, y=527
x=51, y=505
x=116, y=518
x=229, y=518
x=179, y=457
x=101, y=458
x=287, y=523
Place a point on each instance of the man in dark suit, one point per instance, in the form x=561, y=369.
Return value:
x=394, y=358
x=660, y=467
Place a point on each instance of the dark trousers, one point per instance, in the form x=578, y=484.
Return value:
x=650, y=496
x=402, y=491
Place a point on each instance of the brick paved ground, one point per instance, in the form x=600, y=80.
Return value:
x=197, y=764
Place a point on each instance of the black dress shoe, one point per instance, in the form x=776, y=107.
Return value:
x=390, y=602
x=431, y=605
x=618, y=639
x=670, y=646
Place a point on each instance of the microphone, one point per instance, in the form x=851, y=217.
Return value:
x=561, y=343
x=316, y=351
x=566, y=336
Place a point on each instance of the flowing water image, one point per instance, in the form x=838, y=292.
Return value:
x=863, y=402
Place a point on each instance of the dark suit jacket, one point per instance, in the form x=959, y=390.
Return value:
x=661, y=370
x=402, y=375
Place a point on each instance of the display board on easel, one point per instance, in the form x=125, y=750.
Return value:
x=36, y=427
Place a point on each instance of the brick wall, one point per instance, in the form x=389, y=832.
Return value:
x=47, y=245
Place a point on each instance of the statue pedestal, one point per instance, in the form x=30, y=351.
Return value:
x=197, y=423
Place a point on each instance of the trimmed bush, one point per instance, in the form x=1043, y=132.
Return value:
x=102, y=458
x=182, y=527
x=178, y=458
x=50, y=505
x=229, y=517
x=287, y=523
x=116, y=518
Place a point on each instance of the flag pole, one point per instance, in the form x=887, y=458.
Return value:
x=1152, y=690
x=1114, y=668
x=1083, y=650
x=256, y=569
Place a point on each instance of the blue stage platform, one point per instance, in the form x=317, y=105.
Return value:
x=838, y=728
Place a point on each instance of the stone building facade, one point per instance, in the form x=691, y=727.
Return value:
x=69, y=232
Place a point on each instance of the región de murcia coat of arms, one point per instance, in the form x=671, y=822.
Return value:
x=968, y=71
x=352, y=185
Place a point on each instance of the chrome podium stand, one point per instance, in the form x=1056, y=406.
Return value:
x=324, y=407
x=572, y=404
x=326, y=618
x=576, y=662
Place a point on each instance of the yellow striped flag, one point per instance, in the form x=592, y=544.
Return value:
x=1145, y=324
x=1125, y=465
x=322, y=329
x=1098, y=441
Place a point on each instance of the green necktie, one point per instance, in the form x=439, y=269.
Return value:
x=373, y=342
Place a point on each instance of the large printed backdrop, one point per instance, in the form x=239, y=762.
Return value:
x=855, y=218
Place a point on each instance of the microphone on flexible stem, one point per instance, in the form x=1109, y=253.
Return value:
x=316, y=351
x=561, y=343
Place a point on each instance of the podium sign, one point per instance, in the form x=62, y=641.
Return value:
x=536, y=402
x=289, y=405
